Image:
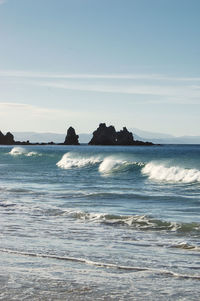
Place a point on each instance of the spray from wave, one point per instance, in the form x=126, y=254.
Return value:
x=17, y=151
x=71, y=160
x=110, y=164
x=107, y=165
x=20, y=151
x=171, y=174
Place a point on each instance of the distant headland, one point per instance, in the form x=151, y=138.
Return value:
x=103, y=135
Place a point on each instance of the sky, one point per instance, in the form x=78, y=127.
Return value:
x=133, y=63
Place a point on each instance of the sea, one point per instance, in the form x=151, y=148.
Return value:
x=100, y=222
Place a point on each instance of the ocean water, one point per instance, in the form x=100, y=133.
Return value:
x=100, y=223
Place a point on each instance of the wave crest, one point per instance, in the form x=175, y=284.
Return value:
x=20, y=151
x=31, y=154
x=171, y=174
x=139, y=222
x=70, y=160
x=111, y=164
x=16, y=151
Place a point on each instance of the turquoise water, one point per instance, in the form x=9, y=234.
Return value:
x=100, y=223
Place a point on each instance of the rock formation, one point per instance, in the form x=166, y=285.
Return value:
x=104, y=135
x=108, y=136
x=7, y=139
x=124, y=137
x=71, y=138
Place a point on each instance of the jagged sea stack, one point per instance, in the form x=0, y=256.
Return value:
x=7, y=139
x=124, y=137
x=104, y=135
x=71, y=138
x=108, y=136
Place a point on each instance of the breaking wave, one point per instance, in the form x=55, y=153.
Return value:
x=171, y=174
x=16, y=151
x=111, y=164
x=134, y=222
x=30, y=154
x=71, y=160
x=139, y=222
x=19, y=151
x=107, y=165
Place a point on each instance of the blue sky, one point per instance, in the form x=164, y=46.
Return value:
x=82, y=62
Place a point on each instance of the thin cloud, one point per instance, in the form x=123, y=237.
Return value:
x=34, y=109
x=30, y=74
x=27, y=111
x=2, y=1
x=181, y=90
x=14, y=105
x=112, y=76
x=186, y=92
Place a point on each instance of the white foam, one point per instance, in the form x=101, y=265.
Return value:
x=171, y=174
x=70, y=160
x=16, y=151
x=111, y=164
x=108, y=164
x=30, y=154
x=103, y=264
x=19, y=151
x=135, y=221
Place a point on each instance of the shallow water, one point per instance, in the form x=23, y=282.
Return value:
x=100, y=223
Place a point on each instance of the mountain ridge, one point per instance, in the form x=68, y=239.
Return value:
x=157, y=138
